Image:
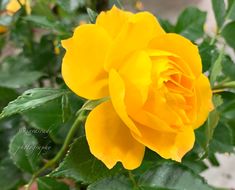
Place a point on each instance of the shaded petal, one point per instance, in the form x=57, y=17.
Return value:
x=152, y=121
x=110, y=140
x=117, y=95
x=135, y=35
x=172, y=59
x=180, y=46
x=82, y=66
x=183, y=143
x=158, y=105
x=112, y=21
x=168, y=145
x=203, y=99
x=136, y=74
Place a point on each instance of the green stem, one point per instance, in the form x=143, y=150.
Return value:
x=226, y=85
x=20, y=3
x=62, y=151
x=22, y=6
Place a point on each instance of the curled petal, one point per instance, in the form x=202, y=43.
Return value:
x=180, y=46
x=82, y=67
x=136, y=74
x=117, y=95
x=113, y=21
x=203, y=100
x=168, y=145
x=110, y=139
x=131, y=38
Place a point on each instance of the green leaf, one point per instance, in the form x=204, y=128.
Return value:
x=41, y=21
x=45, y=59
x=222, y=140
x=92, y=15
x=219, y=11
x=166, y=25
x=71, y=5
x=228, y=69
x=9, y=175
x=216, y=67
x=204, y=135
x=8, y=128
x=213, y=119
x=231, y=9
x=149, y=160
x=153, y=188
x=42, y=7
x=47, y=183
x=31, y=99
x=227, y=110
x=48, y=118
x=20, y=79
x=173, y=176
x=228, y=33
x=213, y=160
x=190, y=23
x=25, y=151
x=117, y=3
x=81, y=165
x=16, y=72
x=206, y=51
x=55, y=117
x=112, y=183
x=196, y=165
x=192, y=159
x=6, y=95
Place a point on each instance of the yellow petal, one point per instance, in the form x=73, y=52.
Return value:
x=117, y=95
x=158, y=105
x=172, y=59
x=180, y=46
x=110, y=140
x=136, y=74
x=168, y=145
x=184, y=142
x=113, y=20
x=82, y=67
x=152, y=121
x=203, y=99
x=135, y=35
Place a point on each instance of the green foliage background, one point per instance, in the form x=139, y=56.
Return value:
x=42, y=121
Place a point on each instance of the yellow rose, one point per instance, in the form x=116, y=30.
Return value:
x=158, y=94
x=13, y=6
